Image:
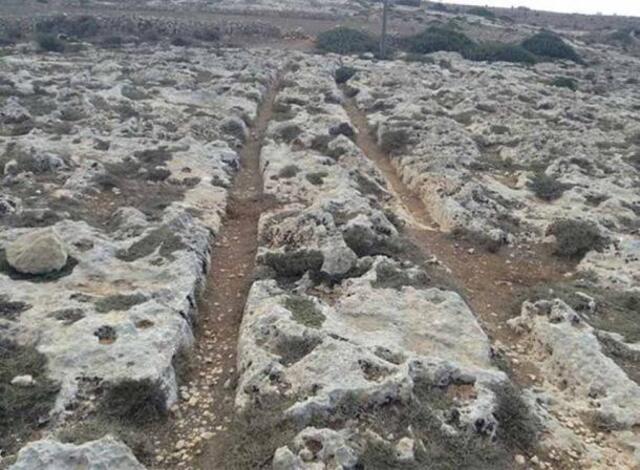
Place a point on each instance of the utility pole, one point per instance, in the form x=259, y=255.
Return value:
x=383, y=37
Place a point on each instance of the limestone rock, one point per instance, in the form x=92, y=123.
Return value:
x=37, y=252
x=104, y=454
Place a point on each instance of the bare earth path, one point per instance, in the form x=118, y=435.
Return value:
x=490, y=282
x=206, y=406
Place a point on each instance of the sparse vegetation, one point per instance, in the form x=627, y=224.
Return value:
x=346, y=41
x=574, y=238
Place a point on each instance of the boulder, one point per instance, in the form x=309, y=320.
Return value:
x=105, y=453
x=37, y=252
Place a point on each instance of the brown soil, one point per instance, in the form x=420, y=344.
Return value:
x=490, y=282
x=201, y=422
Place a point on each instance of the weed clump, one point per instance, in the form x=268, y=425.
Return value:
x=317, y=178
x=136, y=402
x=50, y=43
x=546, y=187
x=346, y=41
x=22, y=408
x=575, y=238
x=565, y=82
x=344, y=74
x=304, y=311
x=288, y=171
x=551, y=46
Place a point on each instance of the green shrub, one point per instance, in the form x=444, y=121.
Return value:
x=50, y=43
x=438, y=38
x=346, y=41
x=549, y=45
x=482, y=11
x=565, y=82
x=575, y=238
x=497, y=52
x=546, y=187
x=344, y=74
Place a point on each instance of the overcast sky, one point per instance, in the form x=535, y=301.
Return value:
x=620, y=7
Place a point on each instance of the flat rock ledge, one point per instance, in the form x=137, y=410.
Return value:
x=104, y=454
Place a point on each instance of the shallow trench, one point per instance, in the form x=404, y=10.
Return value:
x=489, y=282
x=197, y=436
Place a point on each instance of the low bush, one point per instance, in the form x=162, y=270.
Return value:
x=497, y=52
x=575, y=238
x=50, y=43
x=438, y=38
x=481, y=11
x=565, y=82
x=288, y=171
x=346, y=41
x=546, y=187
x=549, y=45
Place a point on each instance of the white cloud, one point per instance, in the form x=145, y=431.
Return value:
x=619, y=7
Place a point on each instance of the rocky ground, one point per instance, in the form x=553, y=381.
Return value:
x=221, y=258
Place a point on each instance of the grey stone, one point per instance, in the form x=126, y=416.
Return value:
x=104, y=454
x=37, y=252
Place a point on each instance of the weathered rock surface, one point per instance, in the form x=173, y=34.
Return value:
x=37, y=252
x=337, y=318
x=104, y=454
x=126, y=162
